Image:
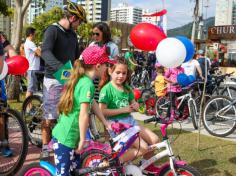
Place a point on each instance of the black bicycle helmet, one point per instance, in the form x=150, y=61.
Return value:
x=77, y=10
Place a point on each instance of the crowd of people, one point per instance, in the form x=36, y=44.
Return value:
x=99, y=82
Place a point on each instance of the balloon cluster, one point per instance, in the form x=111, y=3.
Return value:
x=173, y=51
x=16, y=65
x=170, y=52
x=185, y=80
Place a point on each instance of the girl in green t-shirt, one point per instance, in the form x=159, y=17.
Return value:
x=116, y=101
x=76, y=102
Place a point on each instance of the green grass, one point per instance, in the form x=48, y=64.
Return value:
x=215, y=157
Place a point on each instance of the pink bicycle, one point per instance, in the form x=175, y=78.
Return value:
x=103, y=159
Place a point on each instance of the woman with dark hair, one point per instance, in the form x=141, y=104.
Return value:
x=102, y=36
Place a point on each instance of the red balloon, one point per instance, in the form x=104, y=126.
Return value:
x=137, y=94
x=146, y=36
x=17, y=65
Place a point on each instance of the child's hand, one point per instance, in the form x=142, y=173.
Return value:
x=134, y=106
x=127, y=109
x=108, y=126
x=80, y=147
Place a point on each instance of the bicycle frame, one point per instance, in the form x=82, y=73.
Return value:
x=164, y=144
x=226, y=108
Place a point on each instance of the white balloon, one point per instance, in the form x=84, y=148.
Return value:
x=4, y=71
x=171, y=52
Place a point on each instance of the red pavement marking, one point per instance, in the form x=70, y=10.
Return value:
x=32, y=156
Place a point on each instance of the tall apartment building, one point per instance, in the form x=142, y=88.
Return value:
x=5, y=22
x=37, y=7
x=97, y=10
x=126, y=14
x=225, y=29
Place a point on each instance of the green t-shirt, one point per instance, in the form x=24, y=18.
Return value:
x=116, y=99
x=67, y=129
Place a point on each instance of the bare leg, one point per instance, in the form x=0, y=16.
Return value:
x=149, y=137
x=139, y=149
x=47, y=126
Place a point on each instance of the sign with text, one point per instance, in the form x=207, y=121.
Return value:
x=222, y=32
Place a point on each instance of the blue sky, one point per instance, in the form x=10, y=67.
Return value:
x=179, y=13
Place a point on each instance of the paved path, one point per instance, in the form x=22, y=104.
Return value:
x=186, y=125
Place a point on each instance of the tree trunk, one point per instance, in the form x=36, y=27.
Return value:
x=13, y=85
x=13, y=88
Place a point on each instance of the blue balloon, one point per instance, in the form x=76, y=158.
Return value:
x=191, y=79
x=189, y=47
x=183, y=79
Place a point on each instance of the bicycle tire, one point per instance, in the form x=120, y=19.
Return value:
x=15, y=161
x=193, y=114
x=211, y=120
x=232, y=92
x=161, y=106
x=181, y=170
x=34, y=169
x=33, y=118
x=93, y=158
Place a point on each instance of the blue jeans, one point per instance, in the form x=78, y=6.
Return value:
x=66, y=160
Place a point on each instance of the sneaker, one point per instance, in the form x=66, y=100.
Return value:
x=7, y=152
x=151, y=169
x=44, y=154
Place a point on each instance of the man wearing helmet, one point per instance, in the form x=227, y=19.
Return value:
x=60, y=44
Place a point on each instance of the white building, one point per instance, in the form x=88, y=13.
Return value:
x=37, y=7
x=224, y=12
x=6, y=22
x=97, y=10
x=126, y=14
x=225, y=28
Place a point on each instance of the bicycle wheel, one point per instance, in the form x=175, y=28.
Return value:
x=184, y=170
x=198, y=102
x=16, y=136
x=134, y=82
x=96, y=158
x=32, y=113
x=193, y=114
x=219, y=116
x=229, y=91
x=161, y=106
x=34, y=169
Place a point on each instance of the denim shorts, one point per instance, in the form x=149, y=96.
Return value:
x=52, y=90
x=129, y=120
x=32, y=81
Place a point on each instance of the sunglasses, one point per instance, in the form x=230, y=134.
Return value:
x=95, y=33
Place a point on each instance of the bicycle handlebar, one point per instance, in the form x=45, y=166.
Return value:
x=153, y=119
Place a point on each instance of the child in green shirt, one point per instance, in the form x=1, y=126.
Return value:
x=116, y=101
x=74, y=106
